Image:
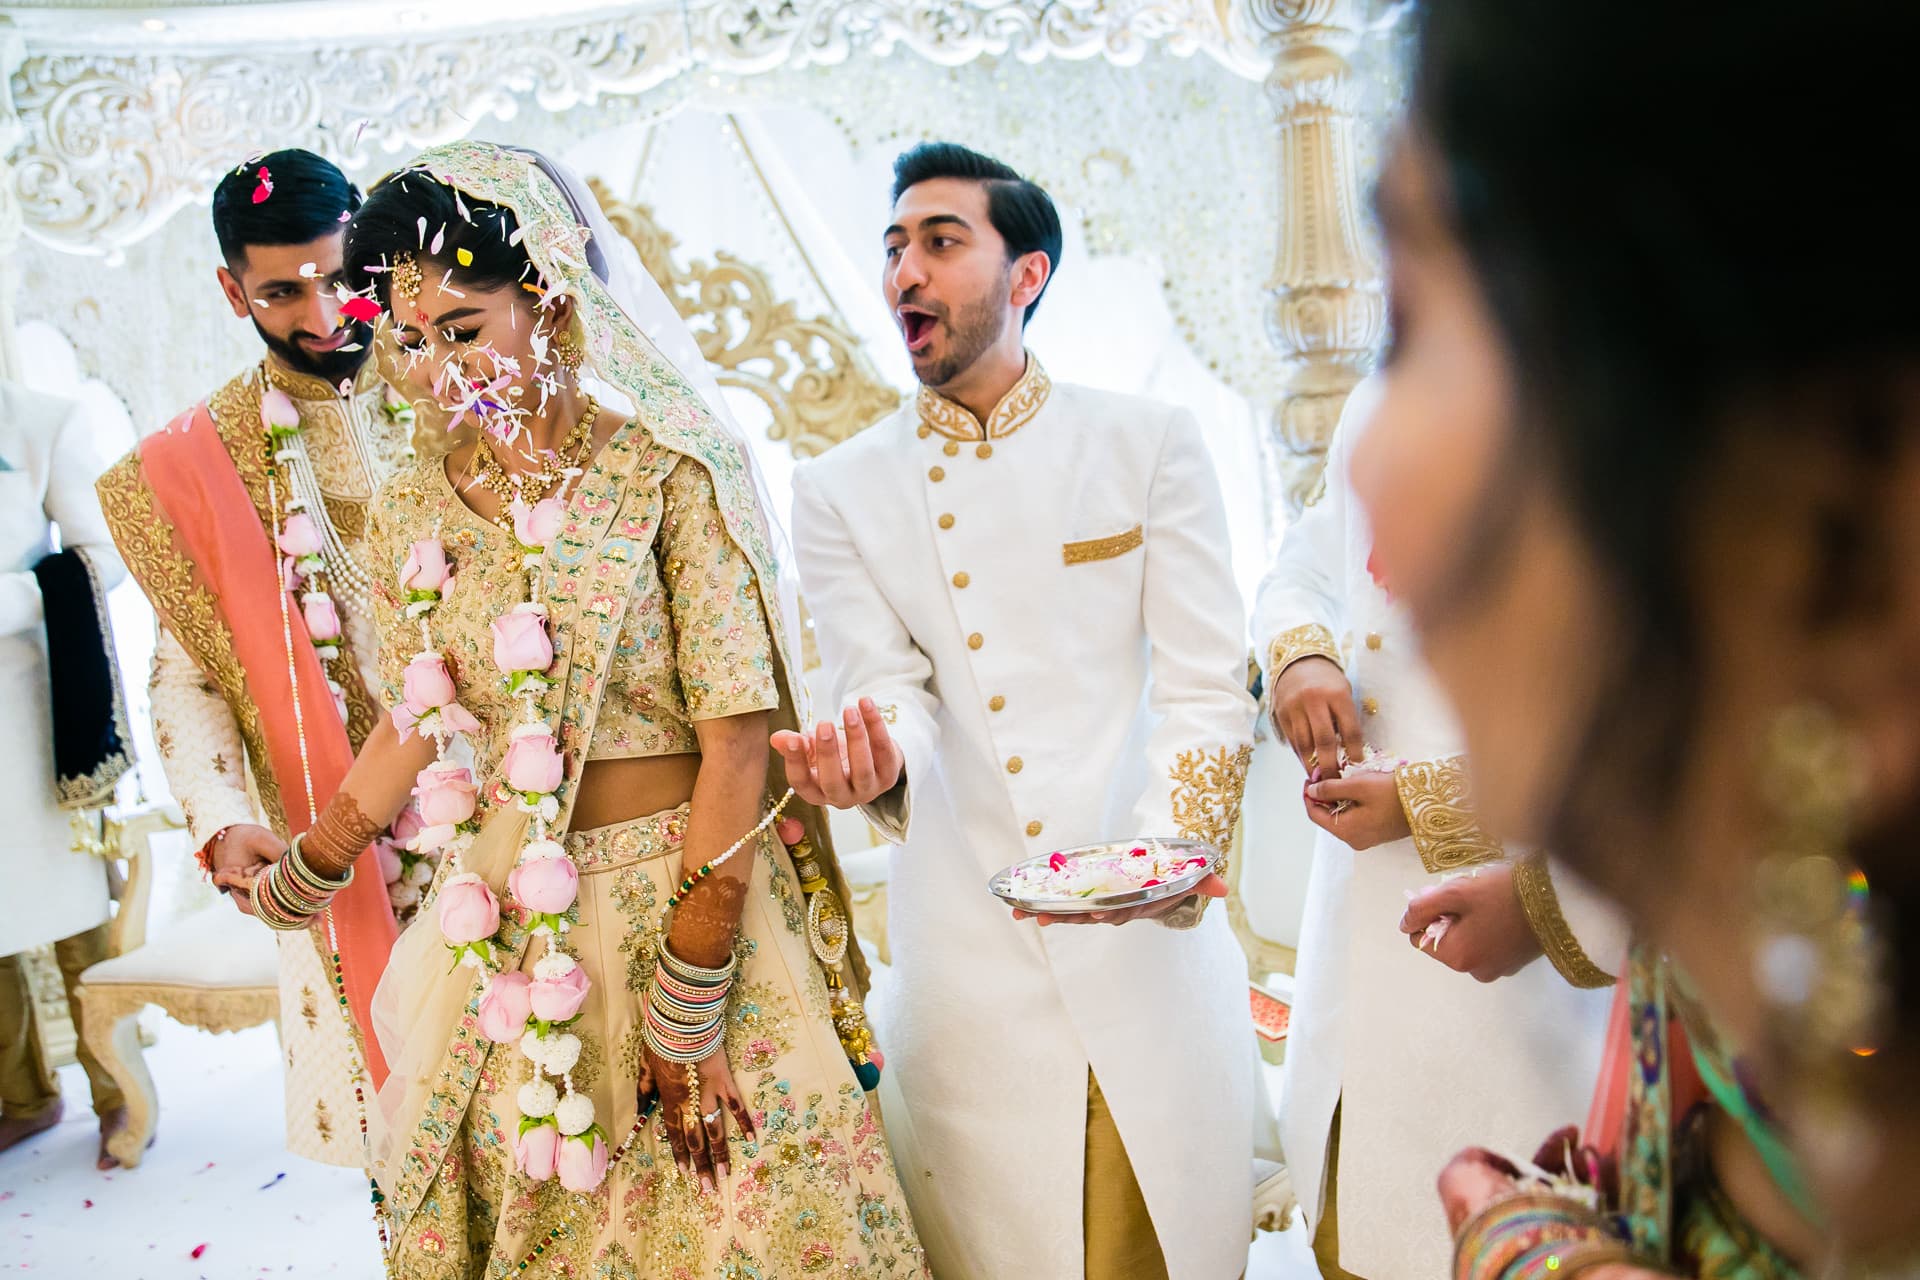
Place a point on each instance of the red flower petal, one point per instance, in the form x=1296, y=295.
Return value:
x=365, y=310
x=1150, y=883
x=1056, y=862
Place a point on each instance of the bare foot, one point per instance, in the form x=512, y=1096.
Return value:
x=111, y=1123
x=15, y=1130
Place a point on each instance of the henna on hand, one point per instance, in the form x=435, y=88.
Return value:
x=340, y=836
x=706, y=923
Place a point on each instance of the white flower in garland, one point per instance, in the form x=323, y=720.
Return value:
x=538, y=1098
x=574, y=1114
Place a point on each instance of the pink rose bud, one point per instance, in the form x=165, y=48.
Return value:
x=520, y=640
x=538, y=525
x=445, y=794
x=426, y=684
x=290, y=575
x=557, y=999
x=408, y=824
x=546, y=886
x=468, y=910
x=791, y=832
x=504, y=1008
x=583, y=1162
x=536, y=1151
x=299, y=536
x=389, y=854
x=323, y=620
x=278, y=410
x=426, y=567
x=533, y=763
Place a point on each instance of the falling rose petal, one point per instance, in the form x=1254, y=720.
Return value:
x=308, y=270
x=265, y=187
x=86, y=1204
x=199, y=1251
x=346, y=215
x=277, y=1179
x=364, y=310
x=258, y=303
x=463, y=256
x=439, y=239
x=422, y=224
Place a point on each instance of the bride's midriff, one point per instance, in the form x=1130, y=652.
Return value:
x=620, y=790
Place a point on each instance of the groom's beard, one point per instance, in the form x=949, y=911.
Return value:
x=328, y=366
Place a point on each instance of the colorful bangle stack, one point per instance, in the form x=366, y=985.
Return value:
x=291, y=893
x=1534, y=1235
x=686, y=1012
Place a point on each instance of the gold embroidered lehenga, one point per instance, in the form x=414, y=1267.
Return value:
x=659, y=590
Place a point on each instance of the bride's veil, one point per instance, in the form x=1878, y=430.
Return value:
x=616, y=263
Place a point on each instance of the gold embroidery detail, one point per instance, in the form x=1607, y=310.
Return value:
x=1104, y=548
x=1295, y=643
x=1437, y=801
x=1533, y=881
x=1207, y=786
x=1015, y=410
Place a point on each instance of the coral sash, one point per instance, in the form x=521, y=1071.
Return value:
x=216, y=525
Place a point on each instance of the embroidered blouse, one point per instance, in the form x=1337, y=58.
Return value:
x=695, y=644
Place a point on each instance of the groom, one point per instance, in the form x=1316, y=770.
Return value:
x=197, y=510
x=1025, y=587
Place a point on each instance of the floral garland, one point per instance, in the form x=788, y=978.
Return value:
x=558, y=1132
x=303, y=569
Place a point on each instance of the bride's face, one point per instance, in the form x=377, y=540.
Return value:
x=488, y=350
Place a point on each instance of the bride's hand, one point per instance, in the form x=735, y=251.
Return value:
x=698, y=1136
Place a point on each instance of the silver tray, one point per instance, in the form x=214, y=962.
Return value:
x=1002, y=887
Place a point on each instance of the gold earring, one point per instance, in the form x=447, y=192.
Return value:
x=1819, y=958
x=569, y=353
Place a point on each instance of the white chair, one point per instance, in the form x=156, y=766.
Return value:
x=215, y=969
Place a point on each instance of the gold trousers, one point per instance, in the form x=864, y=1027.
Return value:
x=28, y=1085
x=1118, y=1233
x=1326, y=1232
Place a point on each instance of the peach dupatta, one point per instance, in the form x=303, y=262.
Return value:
x=218, y=530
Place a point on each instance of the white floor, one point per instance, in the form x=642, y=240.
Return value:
x=218, y=1181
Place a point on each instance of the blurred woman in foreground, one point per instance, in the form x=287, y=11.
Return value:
x=1653, y=405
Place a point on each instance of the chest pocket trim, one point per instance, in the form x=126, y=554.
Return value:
x=1104, y=548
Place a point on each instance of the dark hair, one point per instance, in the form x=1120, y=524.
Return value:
x=1020, y=211
x=1688, y=237
x=390, y=222
x=283, y=197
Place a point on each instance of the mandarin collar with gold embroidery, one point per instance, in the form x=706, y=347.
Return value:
x=1016, y=409
x=305, y=386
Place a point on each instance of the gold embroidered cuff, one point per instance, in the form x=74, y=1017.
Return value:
x=1533, y=881
x=1188, y=914
x=1207, y=786
x=1310, y=641
x=1434, y=796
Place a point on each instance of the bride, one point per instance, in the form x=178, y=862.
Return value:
x=625, y=1035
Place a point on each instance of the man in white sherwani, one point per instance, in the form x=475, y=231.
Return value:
x=1026, y=588
x=1393, y=1063
x=49, y=459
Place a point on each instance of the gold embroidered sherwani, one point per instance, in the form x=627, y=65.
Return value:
x=1420, y=1060
x=208, y=730
x=1043, y=606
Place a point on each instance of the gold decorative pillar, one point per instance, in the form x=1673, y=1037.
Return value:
x=1328, y=309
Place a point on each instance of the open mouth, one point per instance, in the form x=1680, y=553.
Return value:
x=918, y=326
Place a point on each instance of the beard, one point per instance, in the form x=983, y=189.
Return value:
x=970, y=332
x=328, y=366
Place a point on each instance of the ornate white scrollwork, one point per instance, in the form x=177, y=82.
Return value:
x=115, y=142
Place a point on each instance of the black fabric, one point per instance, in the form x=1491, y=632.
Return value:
x=90, y=750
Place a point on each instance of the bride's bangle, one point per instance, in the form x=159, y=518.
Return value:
x=1525, y=1226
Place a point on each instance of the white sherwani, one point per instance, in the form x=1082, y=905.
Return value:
x=1047, y=617
x=49, y=459
x=1422, y=1060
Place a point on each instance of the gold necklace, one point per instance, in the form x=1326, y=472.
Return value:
x=532, y=486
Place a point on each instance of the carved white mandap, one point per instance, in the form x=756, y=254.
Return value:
x=1209, y=155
